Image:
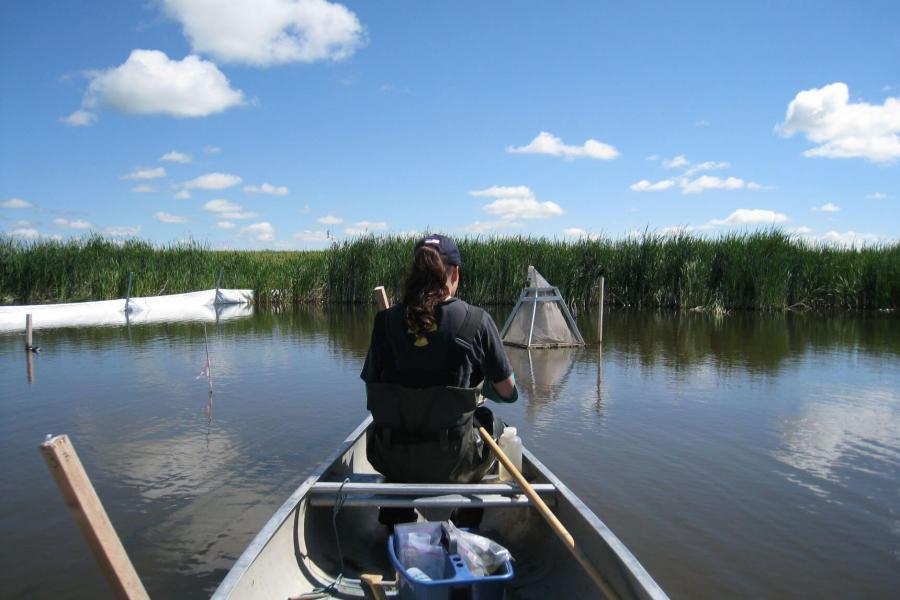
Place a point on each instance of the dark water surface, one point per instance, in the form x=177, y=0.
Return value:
x=748, y=456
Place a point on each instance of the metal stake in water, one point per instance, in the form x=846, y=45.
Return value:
x=208, y=365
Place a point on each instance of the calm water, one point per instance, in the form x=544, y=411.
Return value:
x=749, y=456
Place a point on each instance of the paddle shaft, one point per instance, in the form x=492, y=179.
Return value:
x=82, y=500
x=558, y=528
x=372, y=584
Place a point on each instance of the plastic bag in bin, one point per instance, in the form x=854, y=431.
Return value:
x=482, y=555
x=419, y=547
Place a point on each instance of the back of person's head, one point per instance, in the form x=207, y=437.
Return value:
x=426, y=282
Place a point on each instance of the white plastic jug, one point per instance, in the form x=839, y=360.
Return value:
x=511, y=444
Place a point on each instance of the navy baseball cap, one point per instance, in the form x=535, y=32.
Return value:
x=443, y=244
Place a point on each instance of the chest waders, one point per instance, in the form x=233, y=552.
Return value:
x=429, y=435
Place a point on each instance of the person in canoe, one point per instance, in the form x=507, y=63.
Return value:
x=431, y=358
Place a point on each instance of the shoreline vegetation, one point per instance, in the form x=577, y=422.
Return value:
x=767, y=270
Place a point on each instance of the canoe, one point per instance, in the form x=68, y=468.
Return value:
x=295, y=553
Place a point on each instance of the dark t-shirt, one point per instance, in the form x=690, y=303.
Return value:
x=397, y=356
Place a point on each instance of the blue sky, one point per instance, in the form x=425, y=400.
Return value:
x=276, y=123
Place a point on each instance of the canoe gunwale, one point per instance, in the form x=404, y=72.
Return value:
x=252, y=552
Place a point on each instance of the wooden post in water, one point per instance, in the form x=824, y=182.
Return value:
x=29, y=366
x=602, y=302
x=82, y=500
x=381, y=298
x=28, y=337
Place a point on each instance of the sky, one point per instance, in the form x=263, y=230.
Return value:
x=290, y=123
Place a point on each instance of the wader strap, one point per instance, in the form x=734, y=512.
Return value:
x=465, y=337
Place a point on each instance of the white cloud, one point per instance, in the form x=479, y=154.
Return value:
x=364, y=227
x=213, y=181
x=329, y=220
x=876, y=196
x=150, y=83
x=26, y=233
x=849, y=238
x=676, y=163
x=221, y=206
x=22, y=223
x=827, y=207
x=168, y=218
x=212, y=149
x=240, y=216
x=578, y=232
x=485, y=226
x=143, y=189
x=183, y=195
x=801, y=230
x=694, y=186
x=80, y=118
x=225, y=225
x=175, y=156
x=645, y=186
x=705, y=166
x=15, y=203
x=547, y=143
x=76, y=224
x=516, y=202
x=261, y=232
x=677, y=230
x=146, y=173
x=502, y=191
x=844, y=129
x=266, y=188
x=122, y=231
x=311, y=236
x=702, y=123
x=751, y=216
x=711, y=182
x=268, y=32
x=226, y=209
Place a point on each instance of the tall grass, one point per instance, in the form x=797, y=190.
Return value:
x=95, y=268
x=763, y=270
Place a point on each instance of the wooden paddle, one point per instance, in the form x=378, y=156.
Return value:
x=82, y=500
x=558, y=528
x=372, y=587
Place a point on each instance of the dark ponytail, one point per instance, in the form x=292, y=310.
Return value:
x=425, y=288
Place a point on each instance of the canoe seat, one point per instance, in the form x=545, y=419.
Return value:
x=426, y=495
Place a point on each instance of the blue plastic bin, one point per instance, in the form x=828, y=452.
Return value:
x=457, y=581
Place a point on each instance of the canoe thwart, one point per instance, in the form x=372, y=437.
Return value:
x=448, y=501
x=425, y=489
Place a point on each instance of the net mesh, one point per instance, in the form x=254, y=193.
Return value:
x=540, y=324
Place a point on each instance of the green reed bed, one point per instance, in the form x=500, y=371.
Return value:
x=762, y=270
x=97, y=269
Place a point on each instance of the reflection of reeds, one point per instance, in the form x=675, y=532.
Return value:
x=762, y=270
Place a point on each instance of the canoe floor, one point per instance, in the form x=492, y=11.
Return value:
x=297, y=553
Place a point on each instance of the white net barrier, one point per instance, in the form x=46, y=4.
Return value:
x=540, y=323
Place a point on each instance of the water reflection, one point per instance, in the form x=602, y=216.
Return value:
x=541, y=374
x=841, y=431
x=764, y=343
